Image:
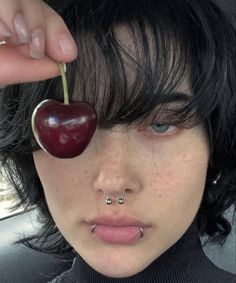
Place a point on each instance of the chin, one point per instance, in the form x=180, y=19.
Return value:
x=119, y=271
x=117, y=264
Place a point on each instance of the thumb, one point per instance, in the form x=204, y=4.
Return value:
x=17, y=67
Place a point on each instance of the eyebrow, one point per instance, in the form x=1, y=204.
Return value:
x=171, y=101
x=176, y=96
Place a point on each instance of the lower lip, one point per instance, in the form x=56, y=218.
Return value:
x=118, y=235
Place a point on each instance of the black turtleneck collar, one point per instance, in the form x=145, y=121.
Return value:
x=184, y=262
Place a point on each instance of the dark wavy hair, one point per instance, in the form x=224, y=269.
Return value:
x=172, y=40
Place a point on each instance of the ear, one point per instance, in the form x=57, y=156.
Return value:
x=17, y=67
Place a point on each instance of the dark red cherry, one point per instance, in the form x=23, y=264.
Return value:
x=64, y=130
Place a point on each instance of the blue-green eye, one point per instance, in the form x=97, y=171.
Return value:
x=158, y=129
x=162, y=128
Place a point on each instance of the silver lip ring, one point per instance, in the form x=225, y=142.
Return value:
x=93, y=228
x=141, y=231
x=140, y=228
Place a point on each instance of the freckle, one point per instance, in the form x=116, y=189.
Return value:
x=187, y=157
x=160, y=195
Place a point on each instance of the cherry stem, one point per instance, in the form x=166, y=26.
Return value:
x=64, y=82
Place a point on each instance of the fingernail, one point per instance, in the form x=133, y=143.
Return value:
x=66, y=45
x=4, y=30
x=21, y=28
x=37, y=46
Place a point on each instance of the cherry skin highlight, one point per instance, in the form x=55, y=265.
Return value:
x=64, y=130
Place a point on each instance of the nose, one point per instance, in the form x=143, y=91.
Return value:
x=115, y=171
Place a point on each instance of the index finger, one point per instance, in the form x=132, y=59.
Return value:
x=60, y=44
x=17, y=67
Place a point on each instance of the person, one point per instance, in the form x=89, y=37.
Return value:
x=160, y=170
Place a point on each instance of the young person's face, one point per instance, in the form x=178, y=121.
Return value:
x=164, y=170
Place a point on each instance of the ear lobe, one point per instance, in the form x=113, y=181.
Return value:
x=17, y=67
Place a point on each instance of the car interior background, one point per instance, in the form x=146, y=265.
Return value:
x=19, y=264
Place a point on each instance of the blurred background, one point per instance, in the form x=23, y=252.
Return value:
x=224, y=257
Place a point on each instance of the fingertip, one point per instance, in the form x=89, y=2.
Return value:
x=67, y=45
x=65, y=49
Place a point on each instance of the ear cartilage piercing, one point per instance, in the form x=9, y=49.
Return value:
x=217, y=179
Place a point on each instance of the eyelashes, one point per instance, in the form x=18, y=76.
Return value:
x=162, y=129
x=159, y=129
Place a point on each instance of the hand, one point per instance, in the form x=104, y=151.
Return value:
x=35, y=37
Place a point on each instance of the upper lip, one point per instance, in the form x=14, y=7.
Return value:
x=111, y=220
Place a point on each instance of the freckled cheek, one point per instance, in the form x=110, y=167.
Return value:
x=68, y=192
x=62, y=187
x=164, y=184
x=178, y=181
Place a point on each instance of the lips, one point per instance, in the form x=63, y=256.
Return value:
x=118, y=229
x=118, y=221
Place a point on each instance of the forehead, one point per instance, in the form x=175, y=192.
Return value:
x=127, y=70
x=132, y=48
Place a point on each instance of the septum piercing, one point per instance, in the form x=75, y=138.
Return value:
x=109, y=201
x=140, y=228
x=120, y=201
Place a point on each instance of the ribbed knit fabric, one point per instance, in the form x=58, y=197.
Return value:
x=184, y=262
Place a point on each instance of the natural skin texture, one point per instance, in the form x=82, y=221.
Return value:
x=164, y=172
x=165, y=177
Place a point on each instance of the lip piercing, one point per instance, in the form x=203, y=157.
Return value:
x=140, y=228
x=93, y=228
x=141, y=232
